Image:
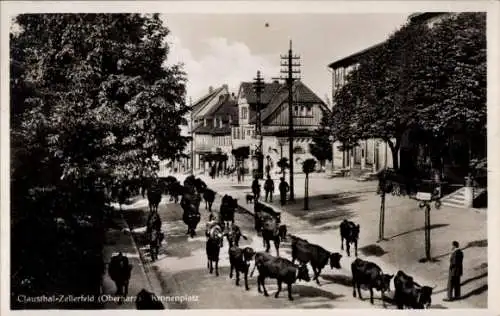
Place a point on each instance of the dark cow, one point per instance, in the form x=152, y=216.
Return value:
x=190, y=203
x=281, y=269
x=166, y=183
x=234, y=235
x=239, y=260
x=228, y=207
x=263, y=212
x=155, y=239
x=119, y=271
x=200, y=185
x=370, y=275
x=146, y=300
x=153, y=222
x=175, y=190
x=154, y=198
x=350, y=232
x=306, y=252
x=270, y=232
x=214, y=243
x=408, y=293
x=209, y=197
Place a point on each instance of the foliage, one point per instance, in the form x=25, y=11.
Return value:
x=321, y=147
x=434, y=78
x=308, y=166
x=283, y=164
x=90, y=101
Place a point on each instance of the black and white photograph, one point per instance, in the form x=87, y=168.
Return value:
x=158, y=159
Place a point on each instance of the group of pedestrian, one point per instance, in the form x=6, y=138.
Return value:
x=269, y=189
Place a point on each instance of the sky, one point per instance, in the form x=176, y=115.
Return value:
x=228, y=49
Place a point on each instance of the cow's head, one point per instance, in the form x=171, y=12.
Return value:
x=425, y=296
x=385, y=282
x=335, y=260
x=248, y=254
x=303, y=273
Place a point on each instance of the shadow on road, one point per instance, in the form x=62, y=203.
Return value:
x=338, y=279
x=477, y=291
x=373, y=250
x=311, y=291
x=434, y=226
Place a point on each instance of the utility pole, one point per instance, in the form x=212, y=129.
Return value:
x=258, y=88
x=287, y=61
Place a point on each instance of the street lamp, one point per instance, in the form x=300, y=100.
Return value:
x=426, y=197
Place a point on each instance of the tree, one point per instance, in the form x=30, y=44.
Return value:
x=321, y=147
x=91, y=100
x=307, y=167
x=283, y=165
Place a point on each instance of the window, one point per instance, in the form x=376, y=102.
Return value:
x=309, y=111
x=296, y=110
x=244, y=113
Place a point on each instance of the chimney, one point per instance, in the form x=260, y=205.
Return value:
x=233, y=96
x=210, y=89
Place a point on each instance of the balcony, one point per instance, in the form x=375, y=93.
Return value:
x=248, y=141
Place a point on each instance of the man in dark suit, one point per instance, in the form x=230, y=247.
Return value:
x=455, y=272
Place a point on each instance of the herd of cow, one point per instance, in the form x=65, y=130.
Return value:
x=366, y=274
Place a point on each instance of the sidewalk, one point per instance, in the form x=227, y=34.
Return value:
x=403, y=230
x=119, y=239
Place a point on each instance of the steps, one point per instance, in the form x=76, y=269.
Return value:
x=457, y=198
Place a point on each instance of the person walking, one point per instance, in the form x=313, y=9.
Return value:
x=284, y=188
x=455, y=272
x=256, y=189
x=269, y=188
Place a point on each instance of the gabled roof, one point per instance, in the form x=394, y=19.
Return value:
x=205, y=100
x=225, y=107
x=353, y=58
x=247, y=91
x=301, y=94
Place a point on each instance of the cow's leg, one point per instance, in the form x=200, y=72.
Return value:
x=289, y=288
x=359, y=290
x=217, y=267
x=356, y=248
x=382, y=295
x=353, y=287
x=262, y=280
x=277, y=246
x=237, y=277
x=341, y=242
x=210, y=206
x=348, y=248
x=211, y=266
x=246, y=280
x=268, y=245
x=371, y=295
x=317, y=272
x=279, y=289
x=231, y=271
x=258, y=283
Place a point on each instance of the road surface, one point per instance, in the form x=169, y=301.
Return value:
x=182, y=269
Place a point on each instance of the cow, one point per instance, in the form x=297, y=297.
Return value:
x=175, y=190
x=154, y=198
x=153, y=222
x=316, y=255
x=239, y=259
x=146, y=300
x=281, y=269
x=233, y=235
x=350, y=232
x=270, y=232
x=190, y=203
x=200, y=185
x=119, y=271
x=369, y=274
x=408, y=293
x=209, y=197
x=228, y=207
x=155, y=239
x=262, y=212
x=214, y=243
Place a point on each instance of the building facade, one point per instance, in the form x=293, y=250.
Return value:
x=308, y=110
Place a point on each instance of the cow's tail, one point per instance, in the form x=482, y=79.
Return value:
x=244, y=237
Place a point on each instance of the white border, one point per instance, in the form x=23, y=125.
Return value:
x=10, y=8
